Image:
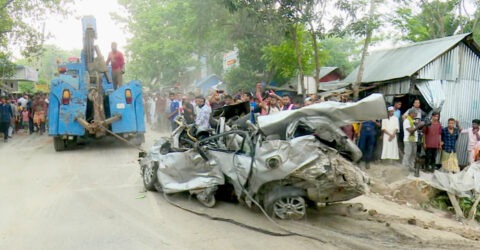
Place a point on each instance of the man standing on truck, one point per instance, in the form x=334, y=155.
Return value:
x=115, y=57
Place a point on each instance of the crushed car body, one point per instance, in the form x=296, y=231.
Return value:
x=289, y=160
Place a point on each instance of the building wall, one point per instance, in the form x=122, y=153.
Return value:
x=309, y=82
x=331, y=77
x=460, y=70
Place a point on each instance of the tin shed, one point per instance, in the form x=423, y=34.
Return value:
x=445, y=71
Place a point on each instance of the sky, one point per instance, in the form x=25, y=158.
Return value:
x=66, y=32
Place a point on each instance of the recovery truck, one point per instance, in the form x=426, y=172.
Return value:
x=83, y=103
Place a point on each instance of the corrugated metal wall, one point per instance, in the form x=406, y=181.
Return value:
x=460, y=67
x=395, y=87
x=445, y=67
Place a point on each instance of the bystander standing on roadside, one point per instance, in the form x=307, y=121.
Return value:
x=188, y=110
x=12, y=129
x=473, y=139
x=6, y=116
x=390, y=127
x=25, y=119
x=432, y=141
x=174, y=110
x=39, y=110
x=410, y=139
x=449, y=138
x=202, y=118
x=367, y=140
x=396, y=109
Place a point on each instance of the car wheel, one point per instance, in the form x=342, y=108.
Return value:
x=207, y=200
x=150, y=176
x=286, y=203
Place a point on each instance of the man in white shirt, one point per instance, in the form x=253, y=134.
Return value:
x=390, y=129
x=410, y=138
x=202, y=111
x=23, y=101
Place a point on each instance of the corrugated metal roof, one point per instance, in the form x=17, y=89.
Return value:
x=404, y=61
x=325, y=71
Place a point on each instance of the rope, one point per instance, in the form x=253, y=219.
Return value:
x=249, y=227
x=121, y=138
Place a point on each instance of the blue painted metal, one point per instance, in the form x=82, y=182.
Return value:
x=132, y=114
x=62, y=118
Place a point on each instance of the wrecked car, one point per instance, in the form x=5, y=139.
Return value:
x=286, y=162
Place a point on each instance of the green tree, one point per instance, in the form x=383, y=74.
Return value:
x=282, y=58
x=436, y=19
x=18, y=29
x=341, y=51
x=170, y=36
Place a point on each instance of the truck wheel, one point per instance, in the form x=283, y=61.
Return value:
x=58, y=143
x=149, y=175
x=286, y=203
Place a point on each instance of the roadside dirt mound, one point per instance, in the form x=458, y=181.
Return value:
x=392, y=182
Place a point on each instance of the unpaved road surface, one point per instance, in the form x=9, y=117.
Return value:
x=93, y=198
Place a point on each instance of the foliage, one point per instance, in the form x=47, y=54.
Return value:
x=341, y=51
x=28, y=87
x=436, y=19
x=241, y=78
x=170, y=36
x=442, y=202
x=18, y=19
x=282, y=58
x=17, y=28
x=7, y=68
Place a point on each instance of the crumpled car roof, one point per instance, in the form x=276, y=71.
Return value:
x=369, y=108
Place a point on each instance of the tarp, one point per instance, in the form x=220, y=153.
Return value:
x=461, y=184
x=369, y=108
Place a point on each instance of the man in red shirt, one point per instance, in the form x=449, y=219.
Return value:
x=432, y=141
x=118, y=65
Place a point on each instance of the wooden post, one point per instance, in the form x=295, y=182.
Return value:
x=473, y=210
x=456, y=206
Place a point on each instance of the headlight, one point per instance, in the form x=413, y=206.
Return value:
x=273, y=162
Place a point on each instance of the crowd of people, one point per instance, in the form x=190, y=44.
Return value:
x=23, y=113
x=422, y=139
x=161, y=110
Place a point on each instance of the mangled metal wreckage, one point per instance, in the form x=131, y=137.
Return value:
x=290, y=159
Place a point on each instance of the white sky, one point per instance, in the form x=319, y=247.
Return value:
x=66, y=32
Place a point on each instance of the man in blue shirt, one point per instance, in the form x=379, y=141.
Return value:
x=174, y=106
x=449, y=144
x=397, y=112
x=366, y=143
x=6, y=115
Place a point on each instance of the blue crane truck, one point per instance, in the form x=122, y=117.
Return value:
x=83, y=103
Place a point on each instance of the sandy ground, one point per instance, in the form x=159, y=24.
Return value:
x=93, y=198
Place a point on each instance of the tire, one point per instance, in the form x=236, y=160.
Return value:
x=71, y=144
x=207, y=200
x=149, y=176
x=58, y=144
x=286, y=203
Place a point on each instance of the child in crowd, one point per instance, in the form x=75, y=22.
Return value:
x=25, y=120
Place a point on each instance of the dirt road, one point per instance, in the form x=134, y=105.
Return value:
x=93, y=198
